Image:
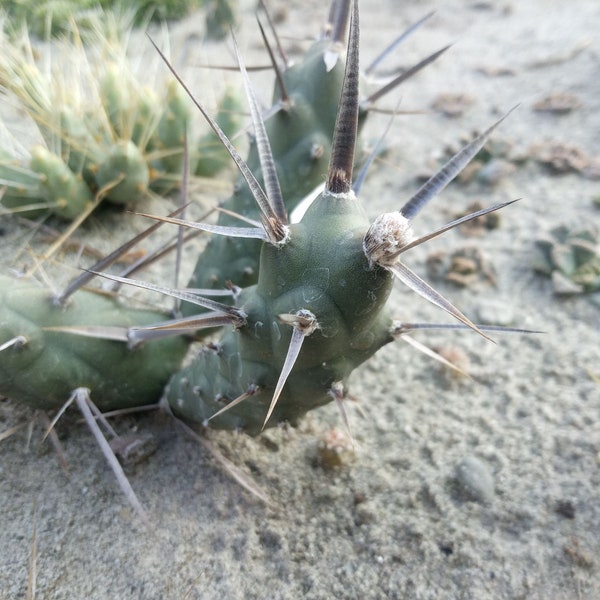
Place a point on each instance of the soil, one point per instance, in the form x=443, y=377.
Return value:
x=475, y=488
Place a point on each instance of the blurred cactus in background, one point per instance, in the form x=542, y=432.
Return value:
x=104, y=133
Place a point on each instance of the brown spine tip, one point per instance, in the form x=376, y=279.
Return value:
x=339, y=174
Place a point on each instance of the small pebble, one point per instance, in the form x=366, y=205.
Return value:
x=453, y=105
x=565, y=508
x=475, y=479
x=335, y=449
x=495, y=313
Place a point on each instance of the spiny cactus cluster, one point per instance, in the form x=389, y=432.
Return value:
x=105, y=134
x=319, y=305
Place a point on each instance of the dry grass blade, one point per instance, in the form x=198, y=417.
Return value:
x=71, y=229
x=57, y=416
x=53, y=437
x=4, y=435
x=32, y=572
x=337, y=392
x=231, y=469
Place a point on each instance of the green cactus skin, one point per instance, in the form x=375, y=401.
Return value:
x=67, y=193
x=47, y=366
x=79, y=149
x=300, y=136
x=172, y=128
x=323, y=269
x=146, y=114
x=116, y=97
x=220, y=18
x=55, y=18
x=126, y=172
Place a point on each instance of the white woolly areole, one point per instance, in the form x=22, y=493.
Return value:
x=386, y=237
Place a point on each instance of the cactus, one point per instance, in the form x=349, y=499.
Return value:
x=299, y=129
x=318, y=310
x=124, y=173
x=220, y=18
x=59, y=184
x=20, y=187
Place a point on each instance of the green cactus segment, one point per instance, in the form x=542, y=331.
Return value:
x=56, y=18
x=173, y=127
x=118, y=135
x=124, y=173
x=300, y=135
x=147, y=115
x=212, y=155
x=67, y=193
x=44, y=368
x=322, y=269
x=78, y=147
x=115, y=95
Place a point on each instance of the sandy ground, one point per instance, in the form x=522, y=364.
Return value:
x=396, y=522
